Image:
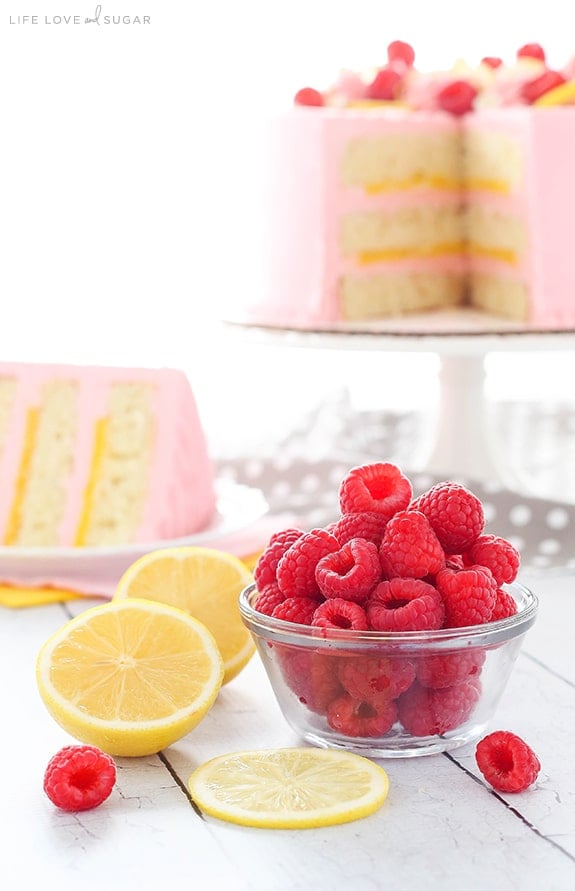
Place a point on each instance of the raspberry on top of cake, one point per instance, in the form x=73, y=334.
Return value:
x=400, y=190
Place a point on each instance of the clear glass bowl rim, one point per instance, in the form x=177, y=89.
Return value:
x=474, y=635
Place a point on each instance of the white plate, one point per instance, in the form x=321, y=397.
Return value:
x=237, y=507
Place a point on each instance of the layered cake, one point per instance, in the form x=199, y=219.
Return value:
x=100, y=456
x=405, y=192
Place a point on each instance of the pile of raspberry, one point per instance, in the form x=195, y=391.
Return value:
x=390, y=563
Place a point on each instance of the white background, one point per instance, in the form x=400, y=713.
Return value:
x=130, y=190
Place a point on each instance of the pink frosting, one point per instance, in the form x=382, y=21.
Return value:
x=303, y=263
x=181, y=494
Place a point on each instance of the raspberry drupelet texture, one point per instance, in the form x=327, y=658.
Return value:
x=498, y=554
x=505, y=606
x=455, y=514
x=381, y=488
x=351, y=572
x=79, y=777
x=295, y=571
x=405, y=605
x=365, y=524
x=266, y=566
x=355, y=717
x=507, y=762
x=296, y=609
x=410, y=547
x=469, y=595
x=429, y=712
x=371, y=677
x=268, y=599
x=339, y=613
x=448, y=669
x=312, y=677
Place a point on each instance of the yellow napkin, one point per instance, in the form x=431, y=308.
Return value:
x=19, y=596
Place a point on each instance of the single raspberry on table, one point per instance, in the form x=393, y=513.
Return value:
x=339, y=613
x=410, y=548
x=379, y=487
x=428, y=712
x=365, y=524
x=469, y=595
x=440, y=670
x=505, y=606
x=405, y=605
x=371, y=677
x=296, y=609
x=312, y=677
x=455, y=514
x=354, y=717
x=507, y=762
x=351, y=573
x=79, y=777
x=295, y=571
x=266, y=566
x=498, y=554
x=268, y=598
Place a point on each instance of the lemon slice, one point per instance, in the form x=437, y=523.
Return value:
x=130, y=677
x=203, y=582
x=295, y=788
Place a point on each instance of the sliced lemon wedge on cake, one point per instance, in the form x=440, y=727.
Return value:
x=130, y=677
x=204, y=582
x=293, y=788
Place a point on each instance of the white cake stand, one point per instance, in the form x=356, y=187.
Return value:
x=462, y=339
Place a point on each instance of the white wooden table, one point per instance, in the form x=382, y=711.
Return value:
x=441, y=827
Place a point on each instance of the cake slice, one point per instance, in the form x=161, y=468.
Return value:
x=96, y=456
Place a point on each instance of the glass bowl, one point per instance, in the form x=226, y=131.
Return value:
x=389, y=695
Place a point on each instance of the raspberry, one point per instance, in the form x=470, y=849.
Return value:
x=507, y=762
x=492, y=61
x=386, y=85
x=469, y=596
x=309, y=96
x=268, y=599
x=399, y=51
x=265, y=568
x=531, y=51
x=426, y=712
x=339, y=613
x=296, y=569
x=366, y=524
x=374, y=487
x=296, y=609
x=78, y=778
x=311, y=676
x=405, y=605
x=498, y=555
x=354, y=717
x=505, y=606
x=369, y=677
x=351, y=573
x=448, y=669
x=410, y=548
x=534, y=89
x=455, y=514
x=457, y=97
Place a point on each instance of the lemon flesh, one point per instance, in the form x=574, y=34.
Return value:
x=293, y=788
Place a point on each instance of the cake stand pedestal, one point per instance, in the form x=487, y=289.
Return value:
x=462, y=339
